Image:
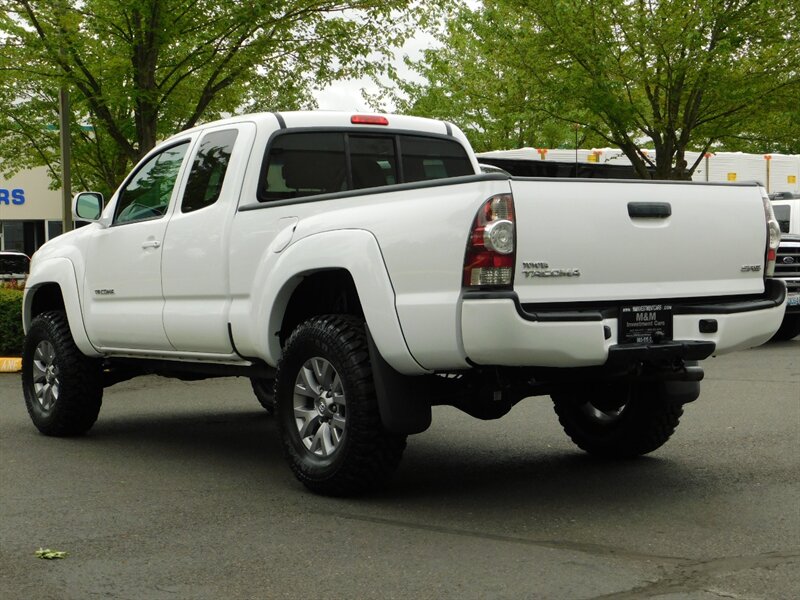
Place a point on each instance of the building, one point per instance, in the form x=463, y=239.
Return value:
x=30, y=212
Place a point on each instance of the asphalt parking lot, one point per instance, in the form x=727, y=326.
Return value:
x=181, y=491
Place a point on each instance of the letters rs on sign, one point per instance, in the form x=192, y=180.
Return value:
x=15, y=196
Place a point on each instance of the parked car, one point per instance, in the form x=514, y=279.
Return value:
x=14, y=265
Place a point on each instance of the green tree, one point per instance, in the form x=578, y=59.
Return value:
x=668, y=75
x=466, y=78
x=773, y=129
x=139, y=70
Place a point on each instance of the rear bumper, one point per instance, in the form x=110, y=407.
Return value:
x=497, y=330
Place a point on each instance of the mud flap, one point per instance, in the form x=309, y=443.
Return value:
x=404, y=402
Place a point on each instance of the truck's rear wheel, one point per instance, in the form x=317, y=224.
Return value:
x=618, y=421
x=63, y=388
x=264, y=391
x=327, y=412
x=790, y=328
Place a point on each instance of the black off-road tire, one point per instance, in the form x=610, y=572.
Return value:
x=618, y=421
x=366, y=454
x=264, y=389
x=790, y=328
x=76, y=378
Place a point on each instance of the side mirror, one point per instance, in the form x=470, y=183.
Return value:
x=87, y=206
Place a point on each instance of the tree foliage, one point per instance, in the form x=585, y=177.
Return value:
x=773, y=129
x=466, y=78
x=668, y=75
x=139, y=70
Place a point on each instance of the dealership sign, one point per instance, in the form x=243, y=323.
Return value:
x=14, y=197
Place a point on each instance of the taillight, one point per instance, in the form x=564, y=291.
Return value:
x=773, y=236
x=491, y=247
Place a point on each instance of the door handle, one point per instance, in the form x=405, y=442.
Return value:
x=649, y=210
x=151, y=244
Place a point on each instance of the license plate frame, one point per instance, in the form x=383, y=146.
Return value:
x=645, y=323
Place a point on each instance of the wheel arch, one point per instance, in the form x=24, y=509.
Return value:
x=53, y=286
x=350, y=265
x=321, y=292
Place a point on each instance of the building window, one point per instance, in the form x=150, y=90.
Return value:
x=13, y=236
x=54, y=229
x=24, y=236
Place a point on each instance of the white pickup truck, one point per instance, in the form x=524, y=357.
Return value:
x=361, y=269
x=786, y=206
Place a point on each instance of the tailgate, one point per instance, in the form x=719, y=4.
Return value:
x=580, y=241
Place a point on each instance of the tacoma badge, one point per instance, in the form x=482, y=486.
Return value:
x=543, y=269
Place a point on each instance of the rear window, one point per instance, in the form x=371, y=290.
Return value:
x=309, y=163
x=373, y=161
x=304, y=164
x=432, y=158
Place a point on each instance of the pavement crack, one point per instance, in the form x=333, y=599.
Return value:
x=680, y=574
x=698, y=576
x=723, y=594
x=583, y=547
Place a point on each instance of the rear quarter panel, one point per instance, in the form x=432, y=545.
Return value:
x=420, y=237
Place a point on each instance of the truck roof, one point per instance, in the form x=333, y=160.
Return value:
x=338, y=119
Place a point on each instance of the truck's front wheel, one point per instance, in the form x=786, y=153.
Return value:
x=63, y=388
x=618, y=421
x=327, y=412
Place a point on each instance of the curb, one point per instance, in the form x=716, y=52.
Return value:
x=10, y=365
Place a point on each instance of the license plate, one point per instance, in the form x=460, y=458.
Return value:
x=646, y=323
x=793, y=299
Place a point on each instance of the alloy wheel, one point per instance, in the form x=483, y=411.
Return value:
x=46, y=384
x=320, y=407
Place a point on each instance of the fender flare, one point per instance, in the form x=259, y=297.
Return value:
x=61, y=272
x=354, y=250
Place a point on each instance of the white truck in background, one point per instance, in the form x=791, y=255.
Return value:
x=786, y=206
x=361, y=269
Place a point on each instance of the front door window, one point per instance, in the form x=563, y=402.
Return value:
x=146, y=195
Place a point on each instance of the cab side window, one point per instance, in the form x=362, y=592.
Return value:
x=146, y=196
x=208, y=170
